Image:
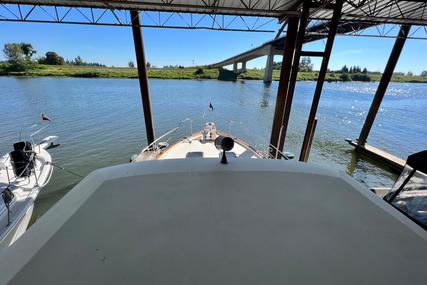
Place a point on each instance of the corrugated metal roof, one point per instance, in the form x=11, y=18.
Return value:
x=265, y=8
x=381, y=11
x=377, y=11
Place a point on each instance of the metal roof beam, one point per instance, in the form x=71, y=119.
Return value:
x=115, y=17
x=160, y=6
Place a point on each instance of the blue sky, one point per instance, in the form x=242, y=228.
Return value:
x=114, y=46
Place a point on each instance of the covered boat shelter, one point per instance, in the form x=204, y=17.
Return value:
x=336, y=17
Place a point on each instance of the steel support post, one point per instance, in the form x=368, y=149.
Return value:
x=142, y=75
x=294, y=73
x=321, y=79
x=288, y=54
x=385, y=80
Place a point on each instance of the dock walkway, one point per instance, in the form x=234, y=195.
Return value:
x=394, y=162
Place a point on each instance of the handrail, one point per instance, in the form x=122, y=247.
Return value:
x=159, y=138
x=278, y=152
x=256, y=152
x=151, y=145
x=36, y=132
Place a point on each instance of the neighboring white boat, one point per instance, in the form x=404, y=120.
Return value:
x=23, y=174
x=199, y=145
x=409, y=192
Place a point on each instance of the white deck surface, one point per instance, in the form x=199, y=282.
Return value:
x=195, y=146
x=195, y=221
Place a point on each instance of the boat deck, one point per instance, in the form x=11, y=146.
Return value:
x=195, y=147
x=196, y=221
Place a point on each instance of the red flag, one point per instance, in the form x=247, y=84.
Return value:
x=45, y=118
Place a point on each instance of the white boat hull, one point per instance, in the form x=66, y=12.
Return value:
x=25, y=191
x=18, y=230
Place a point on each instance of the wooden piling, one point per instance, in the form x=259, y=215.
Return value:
x=321, y=79
x=294, y=73
x=288, y=54
x=142, y=75
x=310, y=141
x=385, y=80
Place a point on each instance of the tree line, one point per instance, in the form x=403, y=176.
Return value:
x=19, y=56
x=353, y=69
x=349, y=71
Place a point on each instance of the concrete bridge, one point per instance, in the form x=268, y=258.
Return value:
x=275, y=47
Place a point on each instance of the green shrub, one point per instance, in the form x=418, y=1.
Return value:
x=345, y=77
x=87, y=74
x=199, y=71
x=360, y=77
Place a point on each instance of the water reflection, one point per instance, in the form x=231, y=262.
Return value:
x=265, y=99
x=351, y=166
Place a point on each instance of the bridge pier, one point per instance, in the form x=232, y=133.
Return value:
x=243, y=69
x=235, y=67
x=268, y=72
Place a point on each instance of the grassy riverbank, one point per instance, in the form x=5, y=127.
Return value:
x=172, y=73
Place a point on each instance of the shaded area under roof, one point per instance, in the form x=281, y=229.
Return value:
x=378, y=11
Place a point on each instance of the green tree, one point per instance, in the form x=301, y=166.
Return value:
x=305, y=65
x=27, y=50
x=360, y=77
x=277, y=65
x=131, y=64
x=16, y=56
x=424, y=73
x=409, y=73
x=148, y=64
x=199, y=71
x=13, y=52
x=365, y=71
x=52, y=58
x=344, y=69
x=345, y=77
x=78, y=61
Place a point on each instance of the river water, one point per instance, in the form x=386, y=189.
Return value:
x=100, y=121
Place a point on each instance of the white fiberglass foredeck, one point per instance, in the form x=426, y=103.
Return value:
x=196, y=221
x=196, y=147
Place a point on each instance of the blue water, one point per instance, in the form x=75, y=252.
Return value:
x=100, y=122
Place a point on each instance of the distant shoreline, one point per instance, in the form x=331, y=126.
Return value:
x=179, y=73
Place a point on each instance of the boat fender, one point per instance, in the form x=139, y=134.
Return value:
x=7, y=196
